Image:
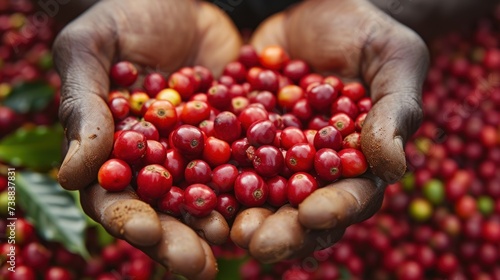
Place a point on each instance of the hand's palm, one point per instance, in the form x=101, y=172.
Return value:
x=354, y=40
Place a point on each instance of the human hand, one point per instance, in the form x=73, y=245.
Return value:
x=354, y=40
x=162, y=35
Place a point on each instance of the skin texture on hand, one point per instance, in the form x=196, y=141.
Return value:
x=356, y=41
x=157, y=35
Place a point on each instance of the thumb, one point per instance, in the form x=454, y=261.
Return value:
x=82, y=55
x=394, y=67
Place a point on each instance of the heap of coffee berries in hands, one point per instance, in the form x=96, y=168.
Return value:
x=268, y=131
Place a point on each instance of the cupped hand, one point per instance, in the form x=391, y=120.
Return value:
x=159, y=35
x=356, y=41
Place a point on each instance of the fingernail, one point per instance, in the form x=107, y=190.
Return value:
x=73, y=148
x=398, y=141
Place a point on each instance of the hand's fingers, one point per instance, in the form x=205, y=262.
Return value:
x=342, y=203
x=279, y=236
x=270, y=33
x=182, y=251
x=213, y=228
x=82, y=55
x=163, y=238
x=122, y=214
x=220, y=40
x=292, y=241
x=394, y=66
x=210, y=270
x=245, y=225
x=318, y=240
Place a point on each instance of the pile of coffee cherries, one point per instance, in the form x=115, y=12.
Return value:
x=268, y=131
x=442, y=221
x=25, y=57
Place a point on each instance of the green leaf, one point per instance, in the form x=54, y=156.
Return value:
x=30, y=97
x=38, y=148
x=52, y=210
x=230, y=268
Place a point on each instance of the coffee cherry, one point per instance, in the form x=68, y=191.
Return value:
x=188, y=139
x=130, y=146
x=153, y=181
x=250, y=189
x=227, y=205
x=261, y=133
x=227, y=127
x=199, y=200
x=277, y=191
x=353, y=162
x=300, y=157
x=198, y=171
x=327, y=164
x=268, y=161
x=223, y=178
x=172, y=202
x=299, y=186
x=194, y=112
x=114, y=175
x=154, y=83
x=124, y=73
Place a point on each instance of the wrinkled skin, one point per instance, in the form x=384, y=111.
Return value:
x=350, y=38
x=194, y=34
x=356, y=41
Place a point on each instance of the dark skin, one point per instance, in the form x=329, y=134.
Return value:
x=350, y=38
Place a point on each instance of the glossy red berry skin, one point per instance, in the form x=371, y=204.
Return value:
x=300, y=157
x=188, y=139
x=328, y=137
x=147, y=129
x=227, y=206
x=354, y=91
x=162, y=115
x=352, y=140
x=58, y=273
x=344, y=104
x=321, y=96
x=155, y=153
x=227, y=127
x=296, y=69
x=261, y=133
x=154, y=83
x=124, y=73
x=216, y=151
x=223, y=177
x=250, y=189
x=239, y=152
x=327, y=164
x=172, y=202
x=268, y=161
x=218, y=96
x=114, y=175
x=299, y=186
x=364, y=105
x=130, y=146
x=198, y=171
x=343, y=123
x=194, y=112
x=248, y=56
x=119, y=107
x=277, y=191
x=153, y=182
x=199, y=200
x=175, y=164
x=273, y=57
x=291, y=136
x=182, y=84
x=353, y=162
x=252, y=114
